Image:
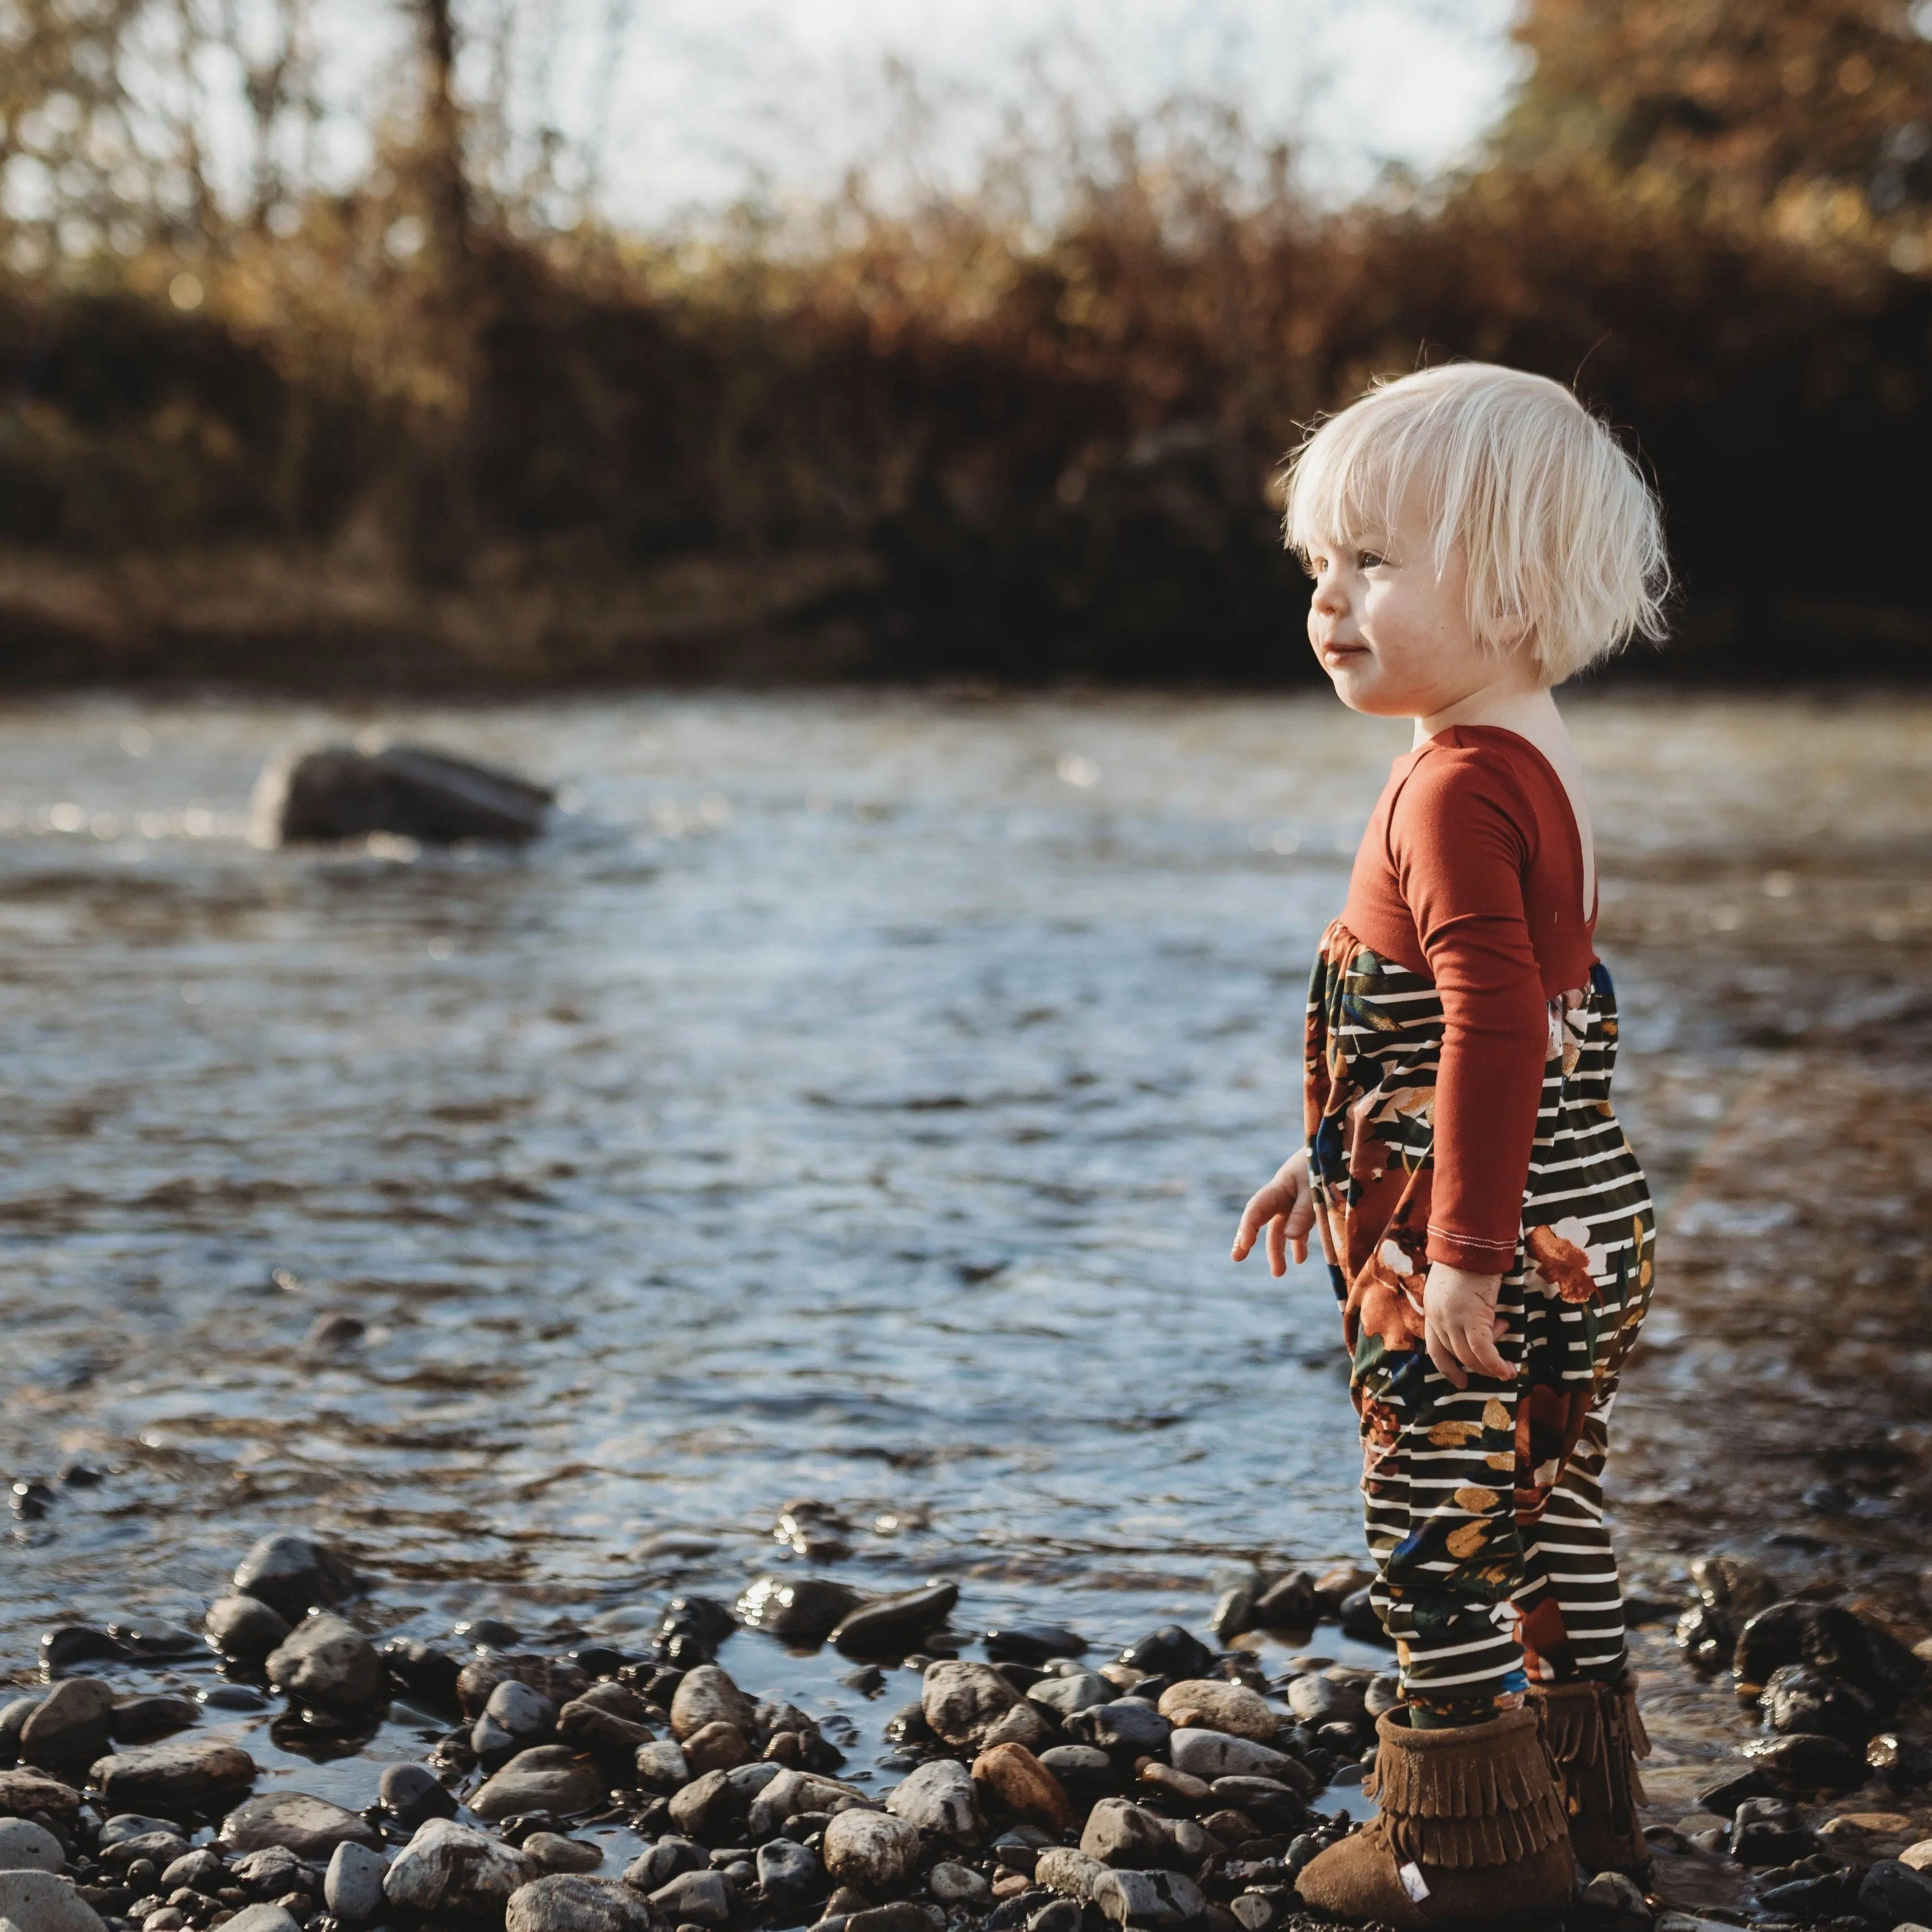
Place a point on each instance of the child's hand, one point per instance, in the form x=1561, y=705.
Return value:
x=1285, y=1207
x=1461, y=1325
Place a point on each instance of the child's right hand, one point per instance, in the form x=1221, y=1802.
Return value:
x=1285, y=1208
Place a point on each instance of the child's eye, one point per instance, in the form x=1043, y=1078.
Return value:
x=1367, y=559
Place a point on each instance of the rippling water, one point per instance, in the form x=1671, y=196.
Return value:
x=850, y=1099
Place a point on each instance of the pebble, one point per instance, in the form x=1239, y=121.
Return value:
x=1083, y=1770
x=960, y=1701
x=138, y=1720
x=786, y=1871
x=1287, y=1603
x=547, y=1777
x=1026, y=1723
x=199, y=1870
x=1079, y=1691
x=69, y=1728
x=586, y=1724
x=449, y=1867
x=1033, y=1643
x=953, y=1884
x=1803, y=1763
x=796, y=1609
x=311, y=1828
x=291, y=1574
x=1797, y=1698
x=68, y=1646
x=717, y=1746
x=567, y=1902
x=39, y=1901
x=1061, y=1915
x=1157, y=1900
x=523, y=1714
x=1023, y=1785
x=870, y=1850
x=1172, y=1652
x=694, y=1898
x=1893, y=1891
x=892, y=1625
x=1214, y=1754
x=24, y=1846
x=159, y=1846
x=327, y=1660
x=124, y=1826
x=1213, y=1704
x=707, y=1696
x=266, y=1917
x=555, y=1853
x=1063, y=1869
x=411, y=1795
x=1128, y=1724
x=1318, y=1700
x=939, y=1797
x=245, y=1628
x=1119, y=1832
x=180, y=1776
x=1919, y=1856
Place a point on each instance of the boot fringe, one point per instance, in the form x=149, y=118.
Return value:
x=1595, y=1735
x=1459, y=1805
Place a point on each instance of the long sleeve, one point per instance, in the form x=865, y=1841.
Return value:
x=1461, y=836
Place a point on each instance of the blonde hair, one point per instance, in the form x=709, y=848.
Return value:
x=1563, y=540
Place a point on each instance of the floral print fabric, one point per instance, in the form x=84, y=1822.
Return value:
x=1483, y=1505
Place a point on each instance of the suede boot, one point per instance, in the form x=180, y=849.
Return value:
x=1595, y=1738
x=1470, y=1833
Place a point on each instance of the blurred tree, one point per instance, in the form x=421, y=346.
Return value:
x=1753, y=105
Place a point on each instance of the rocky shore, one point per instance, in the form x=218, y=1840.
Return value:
x=1177, y=1785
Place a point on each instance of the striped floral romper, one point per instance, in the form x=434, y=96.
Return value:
x=1484, y=1506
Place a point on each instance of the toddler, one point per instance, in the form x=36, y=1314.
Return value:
x=1476, y=537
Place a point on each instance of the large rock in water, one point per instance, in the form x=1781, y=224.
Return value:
x=172, y=1777
x=341, y=793
x=327, y=1660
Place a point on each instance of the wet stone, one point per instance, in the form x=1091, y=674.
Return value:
x=71, y=1647
x=717, y=1746
x=1156, y=1899
x=883, y=1626
x=1024, y=1785
x=953, y=1884
x=186, y=1775
x=548, y=1778
x=661, y=1767
x=1832, y=1640
x=1172, y=1652
x=1798, y=1698
x=799, y=1610
x=327, y=1660
x=1033, y=1643
x=1893, y=1892
x=138, y=1720
x=70, y=1727
x=1214, y=1754
x=199, y=1870
x=1026, y=1723
x=245, y=1628
x=1804, y=1763
x=311, y=1828
x=292, y=1574
x=410, y=1794
x=420, y=1671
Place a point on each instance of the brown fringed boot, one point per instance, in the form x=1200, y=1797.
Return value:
x=1595, y=1737
x=1470, y=1831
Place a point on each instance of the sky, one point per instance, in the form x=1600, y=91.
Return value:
x=689, y=103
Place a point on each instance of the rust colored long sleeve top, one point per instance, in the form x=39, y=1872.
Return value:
x=1471, y=873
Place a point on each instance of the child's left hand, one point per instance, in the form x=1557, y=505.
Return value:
x=1461, y=1326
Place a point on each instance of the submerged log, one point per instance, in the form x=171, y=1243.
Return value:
x=339, y=792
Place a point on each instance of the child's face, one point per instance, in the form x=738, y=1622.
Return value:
x=1392, y=634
